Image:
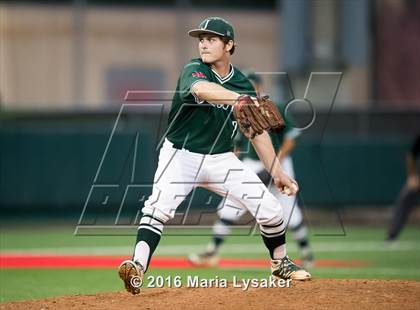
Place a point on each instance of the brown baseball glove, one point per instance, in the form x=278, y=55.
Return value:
x=255, y=117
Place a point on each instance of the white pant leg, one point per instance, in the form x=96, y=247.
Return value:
x=228, y=176
x=177, y=173
x=229, y=210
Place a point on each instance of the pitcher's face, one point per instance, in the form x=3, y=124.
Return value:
x=211, y=48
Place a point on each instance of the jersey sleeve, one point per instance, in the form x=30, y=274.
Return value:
x=192, y=73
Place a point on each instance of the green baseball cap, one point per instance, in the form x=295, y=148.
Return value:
x=215, y=25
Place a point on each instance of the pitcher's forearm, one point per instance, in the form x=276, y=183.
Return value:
x=214, y=93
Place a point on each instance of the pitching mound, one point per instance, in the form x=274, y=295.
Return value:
x=316, y=294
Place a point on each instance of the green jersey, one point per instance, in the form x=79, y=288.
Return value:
x=248, y=151
x=199, y=126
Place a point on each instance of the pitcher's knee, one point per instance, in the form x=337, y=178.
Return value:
x=162, y=204
x=153, y=220
x=157, y=213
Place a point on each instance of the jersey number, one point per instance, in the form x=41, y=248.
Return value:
x=235, y=128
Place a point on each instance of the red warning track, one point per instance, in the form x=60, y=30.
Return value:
x=56, y=261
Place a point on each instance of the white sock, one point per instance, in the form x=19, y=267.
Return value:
x=141, y=253
x=279, y=252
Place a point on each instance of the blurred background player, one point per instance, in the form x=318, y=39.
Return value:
x=408, y=195
x=229, y=213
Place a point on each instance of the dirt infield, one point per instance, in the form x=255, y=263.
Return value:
x=315, y=294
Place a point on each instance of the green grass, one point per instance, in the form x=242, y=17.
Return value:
x=402, y=261
x=21, y=284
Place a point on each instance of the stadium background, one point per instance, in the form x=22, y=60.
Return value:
x=65, y=67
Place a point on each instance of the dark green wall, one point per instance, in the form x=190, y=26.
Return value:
x=351, y=171
x=46, y=164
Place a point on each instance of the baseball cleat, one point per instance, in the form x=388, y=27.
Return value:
x=204, y=259
x=132, y=274
x=285, y=268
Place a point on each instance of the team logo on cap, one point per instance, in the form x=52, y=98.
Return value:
x=204, y=25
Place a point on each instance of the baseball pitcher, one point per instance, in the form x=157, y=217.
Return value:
x=212, y=100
